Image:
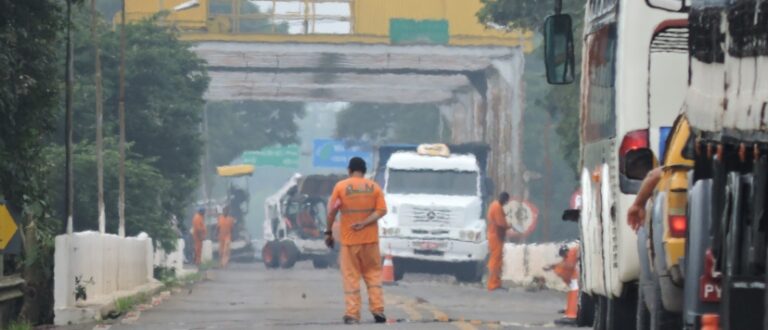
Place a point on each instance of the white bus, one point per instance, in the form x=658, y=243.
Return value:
x=633, y=78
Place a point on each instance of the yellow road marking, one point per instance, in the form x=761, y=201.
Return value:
x=464, y=325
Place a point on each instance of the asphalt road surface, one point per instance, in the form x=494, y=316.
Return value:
x=248, y=296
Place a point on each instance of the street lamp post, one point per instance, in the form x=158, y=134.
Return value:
x=121, y=114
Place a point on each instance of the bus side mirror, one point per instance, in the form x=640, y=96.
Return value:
x=558, y=49
x=572, y=215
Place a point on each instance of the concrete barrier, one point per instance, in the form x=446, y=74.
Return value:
x=524, y=262
x=172, y=260
x=108, y=267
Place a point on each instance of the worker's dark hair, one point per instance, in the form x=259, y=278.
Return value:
x=357, y=164
x=563, y=250
x=503, y=197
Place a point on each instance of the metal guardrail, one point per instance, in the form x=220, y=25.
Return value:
x=11, y=287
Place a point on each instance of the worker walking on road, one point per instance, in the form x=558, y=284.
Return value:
x=497, y=232
x=568, y=271
x=225, y=224
x=199, y=233
x=361, y=203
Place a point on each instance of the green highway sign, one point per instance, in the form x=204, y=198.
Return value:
x=277, y=156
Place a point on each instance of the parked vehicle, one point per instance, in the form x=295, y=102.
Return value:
x=436, y=196
x=295, y=219
x=633, y=77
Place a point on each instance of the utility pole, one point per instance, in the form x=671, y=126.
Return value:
x=69, y=176
x=121, y=112
x=99, y=118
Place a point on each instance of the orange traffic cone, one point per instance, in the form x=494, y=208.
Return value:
x=710, y=322
x=572, y=305
x=388, y=271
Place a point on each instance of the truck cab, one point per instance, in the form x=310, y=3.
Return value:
x=436, y=217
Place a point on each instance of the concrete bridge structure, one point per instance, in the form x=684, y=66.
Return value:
x=376, y=51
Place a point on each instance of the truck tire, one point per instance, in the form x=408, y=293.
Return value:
x=269, y=254
x=601, y=306
x=621, y=311
x=585, y=315
x=399, y=268
x=470, y=272
x=662, y=319
x=643, y=316
x=289, y=254
x=320, y=262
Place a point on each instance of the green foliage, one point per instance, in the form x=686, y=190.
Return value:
x=19, y=325
x=561, y=102
x=145, y=187
x=234, y=127
x=165, y=82
x=390, y=123
x=525, y=14
x=28, y=97
x=125, y=304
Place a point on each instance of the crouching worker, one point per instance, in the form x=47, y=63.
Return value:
x=568, y=271
x=361, y=203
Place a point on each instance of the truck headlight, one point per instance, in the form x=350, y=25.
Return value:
x=390, y=231
x=470, y=235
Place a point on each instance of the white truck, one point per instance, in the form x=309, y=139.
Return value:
x=436, y=195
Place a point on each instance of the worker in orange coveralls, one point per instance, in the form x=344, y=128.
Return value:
x=199, y=233
x=567, y=269
x=361, y=203
x=497, y=231
x=225, y=224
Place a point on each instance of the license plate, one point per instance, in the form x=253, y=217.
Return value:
x=426, y=245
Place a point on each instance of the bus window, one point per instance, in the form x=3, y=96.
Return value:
x=600, y=110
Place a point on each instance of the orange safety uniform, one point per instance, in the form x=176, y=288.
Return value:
x=199, y=233
x=226, y=223
x=357, y=198
x=497, y=229
x=568, y=269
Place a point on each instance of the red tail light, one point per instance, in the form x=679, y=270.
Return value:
x=634, y=140
x=709, y=282
x=635, y=156
x=677, y=225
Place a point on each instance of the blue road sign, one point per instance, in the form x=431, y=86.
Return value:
x=330, y=153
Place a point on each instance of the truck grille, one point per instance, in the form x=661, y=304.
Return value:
x=427, y=216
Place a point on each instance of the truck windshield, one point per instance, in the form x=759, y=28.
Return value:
x=432, y=182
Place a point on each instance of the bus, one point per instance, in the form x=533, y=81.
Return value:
x=634, y=74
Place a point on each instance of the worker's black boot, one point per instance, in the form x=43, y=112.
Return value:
x=350, y=320
x=380, y=317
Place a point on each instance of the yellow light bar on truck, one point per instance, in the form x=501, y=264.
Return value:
x=437, y=149
x=235, y=170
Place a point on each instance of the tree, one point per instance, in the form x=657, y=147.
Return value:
x=29, y=102
x=391, y=123
x=145, y=187
x=234, y=127
x=549, y=110
x=561, y=102
x=164, y=101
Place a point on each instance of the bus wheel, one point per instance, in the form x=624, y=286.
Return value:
x=585, y=315
x=621, y=311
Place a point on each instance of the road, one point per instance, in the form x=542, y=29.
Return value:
x=248, y=296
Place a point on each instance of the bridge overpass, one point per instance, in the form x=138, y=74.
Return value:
x=379, y=51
